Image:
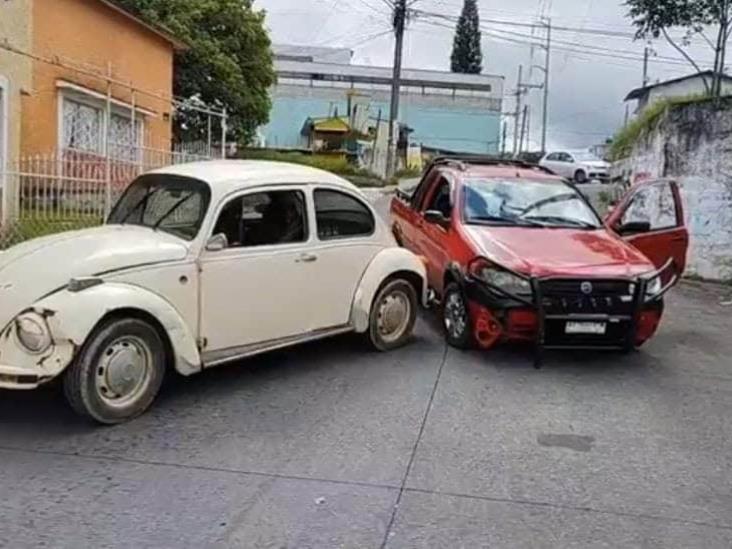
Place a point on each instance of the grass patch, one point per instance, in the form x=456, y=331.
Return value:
x=30, y=228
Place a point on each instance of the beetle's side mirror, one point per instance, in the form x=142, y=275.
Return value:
x=436, y=217
x=217, y=243
x=634, y=227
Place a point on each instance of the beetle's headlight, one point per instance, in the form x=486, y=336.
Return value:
x=495, y=276
x=654, y=287
x=33, y=333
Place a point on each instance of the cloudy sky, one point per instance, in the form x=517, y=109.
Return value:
x=591, y=72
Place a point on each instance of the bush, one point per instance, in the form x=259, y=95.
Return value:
x=335, y=164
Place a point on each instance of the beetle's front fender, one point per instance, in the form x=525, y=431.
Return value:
x=387, y=263
x=72, y=316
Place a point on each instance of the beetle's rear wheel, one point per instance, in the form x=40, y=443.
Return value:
x=393, y=315
x=118, y=372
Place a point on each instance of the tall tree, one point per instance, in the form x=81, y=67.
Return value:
x=467, y=55
x=654, y=18
x=228, y=65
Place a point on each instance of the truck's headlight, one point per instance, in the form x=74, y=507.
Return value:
x=32, y=332
x=654, y=287
x=495, y=276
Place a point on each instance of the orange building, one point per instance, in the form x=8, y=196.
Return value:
x=97, y=51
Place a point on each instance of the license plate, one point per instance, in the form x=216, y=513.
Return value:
x=586, y=328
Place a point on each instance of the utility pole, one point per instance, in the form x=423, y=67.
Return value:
x=517, y=113
x=523, y=129
x=400, y=19
x=546, y=83
x=503, y=140
x=646, y=53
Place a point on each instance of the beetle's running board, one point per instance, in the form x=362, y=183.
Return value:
x=216, y=358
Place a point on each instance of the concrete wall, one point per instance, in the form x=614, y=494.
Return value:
x=693, y=144
x=90, y=34
x=15, y=73
x=462, y=124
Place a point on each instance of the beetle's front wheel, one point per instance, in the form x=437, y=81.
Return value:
x=118, y=372
x=393, y=315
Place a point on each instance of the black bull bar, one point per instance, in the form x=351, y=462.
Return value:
x=640, y=300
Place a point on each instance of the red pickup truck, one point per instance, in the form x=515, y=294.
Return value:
x=518, y=254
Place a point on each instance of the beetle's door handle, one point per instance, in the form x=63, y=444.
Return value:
x=307, y=258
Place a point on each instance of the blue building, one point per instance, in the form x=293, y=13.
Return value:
x=442, y=110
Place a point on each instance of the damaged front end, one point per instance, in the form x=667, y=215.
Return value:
x=33, y=350
x=564, y=312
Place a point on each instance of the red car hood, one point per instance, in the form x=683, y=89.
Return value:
x=559, y=252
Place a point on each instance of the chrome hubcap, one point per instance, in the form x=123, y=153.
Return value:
x=124, y=370
x=393, y=316
x=456, y=315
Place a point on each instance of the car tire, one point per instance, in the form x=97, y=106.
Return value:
x=393, y=315
x=580, y=177
x=118, y=372
x=456, y=318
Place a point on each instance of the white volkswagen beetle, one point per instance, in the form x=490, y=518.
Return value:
x=197, y=266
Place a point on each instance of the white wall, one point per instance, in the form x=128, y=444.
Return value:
x=693, y=145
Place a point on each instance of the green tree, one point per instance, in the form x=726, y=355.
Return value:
x=467, y=55
x=653, y=18
x=228, y=65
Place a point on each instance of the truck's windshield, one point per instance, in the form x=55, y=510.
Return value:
x=170, y=203
x=526, y=203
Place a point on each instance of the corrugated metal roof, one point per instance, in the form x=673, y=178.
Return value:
x=383, y=75
x=313, y=53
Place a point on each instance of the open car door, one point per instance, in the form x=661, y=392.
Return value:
x=651, y=218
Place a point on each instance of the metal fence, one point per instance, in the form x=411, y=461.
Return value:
x=68, y=189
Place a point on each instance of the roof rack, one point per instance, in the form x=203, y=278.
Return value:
x=462, y=161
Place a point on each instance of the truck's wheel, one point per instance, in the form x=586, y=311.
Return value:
x=456, y=317
x=393, y=315
x=118, y=372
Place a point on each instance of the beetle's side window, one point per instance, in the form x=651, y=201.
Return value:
x=341, y=216
x=654, y=204
x=264, y=219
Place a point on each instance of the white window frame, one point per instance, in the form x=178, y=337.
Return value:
x=95, y=100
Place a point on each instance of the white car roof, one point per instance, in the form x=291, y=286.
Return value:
x=225, y=176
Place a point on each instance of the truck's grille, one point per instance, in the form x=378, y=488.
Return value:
x=587, y=297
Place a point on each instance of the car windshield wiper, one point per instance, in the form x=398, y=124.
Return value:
x=566, y=197
x=521, y=222
x=172, y=210
x=140, y=203
x=558, y=221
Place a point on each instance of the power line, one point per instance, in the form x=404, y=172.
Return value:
x=587, y=49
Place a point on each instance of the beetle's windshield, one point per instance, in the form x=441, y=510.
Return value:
x=526, y=203
x=169, y=203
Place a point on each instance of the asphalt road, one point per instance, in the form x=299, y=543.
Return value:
x=329, y=445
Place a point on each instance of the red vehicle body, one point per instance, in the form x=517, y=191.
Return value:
x=560, y=283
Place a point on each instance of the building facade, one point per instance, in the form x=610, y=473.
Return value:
x=442, y=110
x=677, y=88
x=15, y=78
x=92, y=39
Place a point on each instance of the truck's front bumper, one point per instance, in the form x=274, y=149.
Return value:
x=627, y=318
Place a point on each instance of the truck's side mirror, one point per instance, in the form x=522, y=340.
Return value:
x=634, y=227
x=436, y=217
